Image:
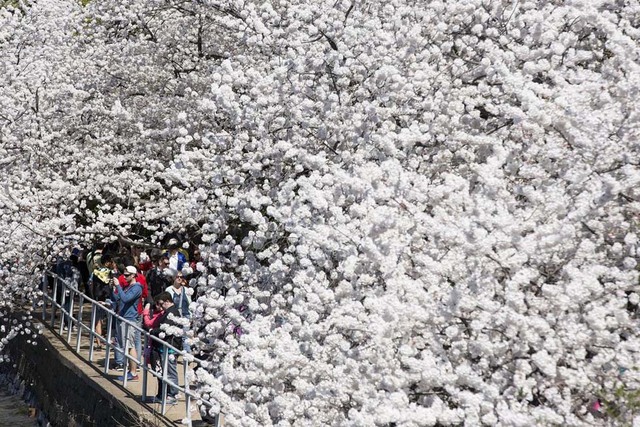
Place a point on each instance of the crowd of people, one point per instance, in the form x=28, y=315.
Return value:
x=151, y=290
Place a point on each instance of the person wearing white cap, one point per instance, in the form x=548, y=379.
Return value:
x=126, y=302
x=176, y=258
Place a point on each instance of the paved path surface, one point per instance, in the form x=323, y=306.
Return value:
x=131, y=395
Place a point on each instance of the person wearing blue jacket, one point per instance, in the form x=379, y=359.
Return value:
x=177, y=258
x=125, y=301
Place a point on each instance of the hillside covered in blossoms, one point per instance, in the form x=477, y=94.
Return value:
x=427, y=210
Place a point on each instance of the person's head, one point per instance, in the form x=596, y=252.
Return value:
x=108, y=261
x=163, y=261
x=75, y=254
x=180, y=280
x=155, y=256
x=130, y=273
x=163, y=300
x=173, y=244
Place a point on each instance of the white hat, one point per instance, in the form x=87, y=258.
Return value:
x=130, y=269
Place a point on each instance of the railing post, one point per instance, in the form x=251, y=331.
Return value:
x=79, y=322
x=165, y=367
x=62, y=309
x=187, y=396
x=70, y=309
x=92, y=334
x=45, y=295
x=54, y=302
x=143, y=366
x=108, y=343
x=125, y=351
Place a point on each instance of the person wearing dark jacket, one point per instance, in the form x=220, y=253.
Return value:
x=69, y=273
x=170, y=327
x=155, y=277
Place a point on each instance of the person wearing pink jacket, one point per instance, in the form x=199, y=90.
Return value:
x=151, y=320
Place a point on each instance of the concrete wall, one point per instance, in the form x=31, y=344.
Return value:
x=64, y=391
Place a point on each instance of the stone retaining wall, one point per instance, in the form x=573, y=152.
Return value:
x=63, y=390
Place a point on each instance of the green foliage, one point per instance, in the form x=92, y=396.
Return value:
x=622, y=404
x=14, y=4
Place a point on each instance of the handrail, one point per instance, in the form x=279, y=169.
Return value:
x=66, y=306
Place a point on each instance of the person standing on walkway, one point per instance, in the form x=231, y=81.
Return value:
x=151, y=319
x=68, y=272
x=93, y=259
x=126, y=300
x=177, y=259
x=156, y=279
x=109, y=263
x=181, y=299
x=98, y=288
x=145, y=294
x=168, y=326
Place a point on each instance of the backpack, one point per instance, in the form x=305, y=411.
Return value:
x=99, y=288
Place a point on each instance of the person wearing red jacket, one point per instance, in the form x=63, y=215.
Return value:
x=144, y=263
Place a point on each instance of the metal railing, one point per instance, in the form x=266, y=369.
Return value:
x=76, y=325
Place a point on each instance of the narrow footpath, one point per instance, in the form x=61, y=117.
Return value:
x=74, y=391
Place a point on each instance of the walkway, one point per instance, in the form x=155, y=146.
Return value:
x=131, y=396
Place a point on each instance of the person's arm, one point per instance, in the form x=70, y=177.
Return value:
x=116, y=291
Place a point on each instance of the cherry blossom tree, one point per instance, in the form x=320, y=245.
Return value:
x=410, y=213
